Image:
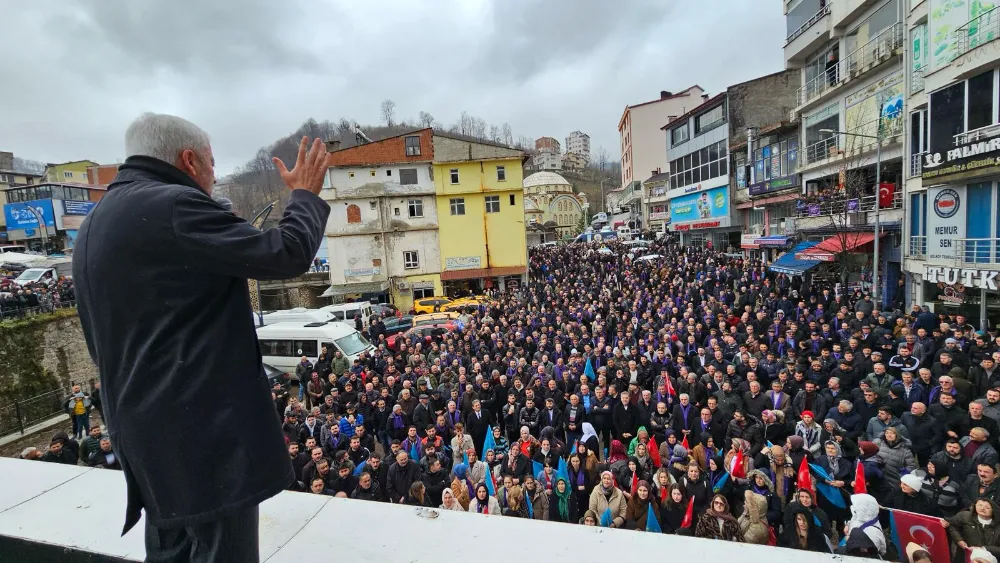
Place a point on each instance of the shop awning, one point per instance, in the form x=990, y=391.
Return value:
x=828, y=250
x=352, y=288
x=773, y=240
x=477, y=273
x=787, y=263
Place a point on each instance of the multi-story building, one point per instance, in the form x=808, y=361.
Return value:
x=479, y=189
x=549, y=197
x=851, y=57
x=699, y=194
x=102, y=174
x=656, y=212
x=765, y=191
x=642, y=144
x=578, y=143
x=48, y=215
x=74, y=171
x=382, y=234
x=547, y=160
x=547, y=144
x=953, y=145
x=574, y=161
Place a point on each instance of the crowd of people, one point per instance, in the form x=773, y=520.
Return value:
x=684, y=395
x=678, y=395
x=43, y=296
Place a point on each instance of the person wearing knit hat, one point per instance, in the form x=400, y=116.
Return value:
x=911, y=482
x=908, y=496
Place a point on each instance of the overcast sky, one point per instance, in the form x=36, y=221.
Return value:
x=250, y=71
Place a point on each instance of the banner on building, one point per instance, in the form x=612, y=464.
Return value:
x=945, y=220
x=703, y=210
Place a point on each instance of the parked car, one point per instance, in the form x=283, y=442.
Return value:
x=435, y=318
x=395, y=325
x=428, y=332
x=384, y=310
x=430, y=304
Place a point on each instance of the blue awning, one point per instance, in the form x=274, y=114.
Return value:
x=787, y=263
x=772, y=240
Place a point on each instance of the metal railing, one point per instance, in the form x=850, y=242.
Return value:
x=977, y=250
x=824, y=11
x=917, y=247
x=24, y=413
x=830, y=206
x=823, y=149
x=13, y=310
x=917, y=80
x=878, y=49
x=916, y=165
x=978, y=31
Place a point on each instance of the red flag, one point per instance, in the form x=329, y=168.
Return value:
x=804, y=480
x=663, y=494
x=885, y=192
x=860, y=487
x=654, y=452
x=670, y=387
x=737, y=470
x=923, y=530
x=684, y=443
x=689, y=515
x=635, y=482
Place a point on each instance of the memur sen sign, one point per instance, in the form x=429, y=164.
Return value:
x=975, y=157
x=983, y=279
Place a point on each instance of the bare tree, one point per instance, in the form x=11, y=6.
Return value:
x=508, y=137
x=479, y=127
x=426, y=119
x=495, y=134
x=388, y=112
x=465, y=122
x=524, y=143
x=600, y=158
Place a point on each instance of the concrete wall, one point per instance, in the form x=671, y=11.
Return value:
x=447, y=149
x=44, y=353
x=761, y=103
x=366, y=181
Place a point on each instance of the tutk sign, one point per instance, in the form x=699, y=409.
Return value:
x=975, y=157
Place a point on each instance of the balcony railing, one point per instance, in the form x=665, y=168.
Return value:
x=979, y=30
x=822, y=150
x=918, y=247
x=916, y=165
x=977, y=250
x=881, y=47
x=824, y=11
x=838, y=205
x=917, y=80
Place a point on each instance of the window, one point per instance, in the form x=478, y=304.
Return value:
x=678, y=135
x=699, y=166
x=457, y=205
x=4, y=179
x=454, y=175
x=372, y=204
x=493, y=204
x=918, y=132
x=305, y=348
x=501, y=174
x=412, y=146
x=277, y=348
x=947, y=110
x=388, y=172
x=423, y=293
x=371, y=173
x=710, y=119
x=980, y=101
x=353, y=214
x=68, y=175
x=826, y=118
x=513, y=199
x=415, y=207
x=410, y=259
x=395, y=211
x=408, y=176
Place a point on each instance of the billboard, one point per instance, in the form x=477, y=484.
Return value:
x=945, y=17
x=945, y=220
x=74, y=207
x=20, y=217
x=702, y=210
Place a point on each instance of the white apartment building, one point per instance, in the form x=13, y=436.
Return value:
x=643, y=146
x=578, y=143
x=546, y=160
x=852, y=55
x=952, y=259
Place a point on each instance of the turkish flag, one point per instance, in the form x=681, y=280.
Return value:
x=860, y=487
x=804, y=480
x=670, y=387
x=689, y=515
x=654, y=452
x=922, y=530
x=885, y=192
x=684, y=443
x=635, y=482
x=737, y=470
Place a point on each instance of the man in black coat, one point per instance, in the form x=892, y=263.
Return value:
x=625, y=419
x=402, y=474
x=477, y=424
x=161, y=275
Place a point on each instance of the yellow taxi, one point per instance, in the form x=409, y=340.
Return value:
x=462, y=303
x=430, y=304
x=434, y=318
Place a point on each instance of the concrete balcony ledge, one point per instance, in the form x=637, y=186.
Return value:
x=51, y=512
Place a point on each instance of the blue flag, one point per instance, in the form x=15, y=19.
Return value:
x=537, y=469
x=652, y=524
x=588, y=370
x=414, y=451
x=531, y=509
x=562, y=470
x=722, y=481
x=465, y=458
x=488, y=444
x=606, y=518
x=361, y=467
x=490, y=488
x=830, y=492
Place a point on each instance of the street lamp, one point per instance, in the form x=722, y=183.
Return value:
x=878, y=203
x=41, y=224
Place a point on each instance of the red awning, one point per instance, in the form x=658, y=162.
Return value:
x=828, y=250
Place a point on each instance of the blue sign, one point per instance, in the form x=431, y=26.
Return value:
x=20, y=217
x=72, y=207
x=704, y=206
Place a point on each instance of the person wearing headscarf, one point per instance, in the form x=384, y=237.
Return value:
x=803, y=533
x=678, y=461
x=483, y=503
x=795, y=450
x=449, y=502
x=538, y=497
x=629, y=473
x=753, y=521
x=896, y=455
x=704, y=451
x=642, y=458
x=641, y=437
x=762, y=485
x=739, y=445
x=588, y=459
x=864, y=532
x=590, y=438
x=637, y=510
x=782, y=473
x=562, y=506
x=717, y=523
x=607, y=496
x=842, y=472
x=617, y=454
x=672, y=511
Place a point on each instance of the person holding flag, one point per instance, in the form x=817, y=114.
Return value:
x=608, y=501
x=975, y=528
x=640, y=506
x=677, y=512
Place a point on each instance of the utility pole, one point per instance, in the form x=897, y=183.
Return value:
x=40, y=219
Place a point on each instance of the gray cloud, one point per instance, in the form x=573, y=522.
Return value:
x=250, y=71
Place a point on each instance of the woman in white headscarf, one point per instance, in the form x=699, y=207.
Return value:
x=449, y=502
x=864, y=530
x=590, y=439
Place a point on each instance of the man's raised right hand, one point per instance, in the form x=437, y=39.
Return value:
x=310, y=167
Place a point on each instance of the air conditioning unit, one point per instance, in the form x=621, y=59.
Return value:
x=402, y=285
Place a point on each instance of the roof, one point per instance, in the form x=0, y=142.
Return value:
x=787, y=263
x=661, y=177
x=62, y=184
x=545, y=179
x=698, y=109
x=333, y=329
x=91, y=162
x=680, y=94
x=391, y=150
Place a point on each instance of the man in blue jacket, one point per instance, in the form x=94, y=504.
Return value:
x=161, y=274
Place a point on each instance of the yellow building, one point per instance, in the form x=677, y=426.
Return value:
x=75, y=171
x=480, y=205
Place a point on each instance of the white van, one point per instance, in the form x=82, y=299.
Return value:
x=296, y=315
x=345, y=312
x=282, y=345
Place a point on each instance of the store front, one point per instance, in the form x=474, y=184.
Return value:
x=702, y=219
x=967, y=291
x=463, y=283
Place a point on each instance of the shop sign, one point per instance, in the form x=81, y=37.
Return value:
x=981, y=156
x=658, y=216
x=701, y=225
x=775, y=184
x=983, y=279
x=73, y=207
x=361, y=272
x=749, y=241
x=945, y=223
x=951, y=294
x=462, y=263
